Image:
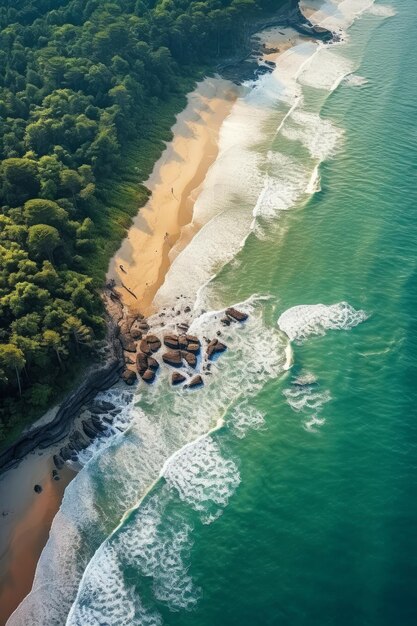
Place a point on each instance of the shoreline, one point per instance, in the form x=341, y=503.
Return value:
x=173, y=185
x=140, y=265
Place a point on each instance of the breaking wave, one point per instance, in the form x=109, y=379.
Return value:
x=306, y=320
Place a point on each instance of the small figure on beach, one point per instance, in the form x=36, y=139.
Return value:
x=123, y=269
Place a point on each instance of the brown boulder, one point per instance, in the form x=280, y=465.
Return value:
x=148, y=376
x=145, y=347
x=193, y=347
x=215, y=347
x=153, y=364
x=141, y=362
x=171, y=341
x=192, y=339
x=136, y=333
x=190, y=358
x=177, y=378
x=196, y=381
x=129, y=377
x=153, y=342
x=182, y=342
x=172, y=357
x=236, y=315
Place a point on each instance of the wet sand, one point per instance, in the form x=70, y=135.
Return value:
x=25, y=520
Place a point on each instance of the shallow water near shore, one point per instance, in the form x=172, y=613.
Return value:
x=275, y=495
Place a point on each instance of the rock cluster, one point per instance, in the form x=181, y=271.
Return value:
x=181, y=349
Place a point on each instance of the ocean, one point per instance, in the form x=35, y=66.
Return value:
x=283, y=491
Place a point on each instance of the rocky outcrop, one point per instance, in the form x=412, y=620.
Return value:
x=43, y=436
x=147, y=366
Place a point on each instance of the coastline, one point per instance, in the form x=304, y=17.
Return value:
x=140, y=265
x=146, y=254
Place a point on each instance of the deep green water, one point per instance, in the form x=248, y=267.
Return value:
x=322, y=528
x=301, y=509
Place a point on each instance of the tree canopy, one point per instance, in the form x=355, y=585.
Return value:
x=79, y=78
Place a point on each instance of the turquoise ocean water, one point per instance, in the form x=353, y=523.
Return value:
x=300, y=509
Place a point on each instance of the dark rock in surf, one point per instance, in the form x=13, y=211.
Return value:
x=58, y=461
x=153, y=342
x=145, y=347
x=136, y=333
x=97, y=423
x=225, y=321
x=182, y=342
x=129, y=377
x=89, y=430
x=215, y=347
x=153, y=364
x=177, y=378
x=236, y=315
x=172, y=357
x=66, y=452
x=193, y=347
x=148, y=376
x=192, y=339
x=141, y=363
x=190, y=358
x=104, y=405
x=37, y=489
x=171, y=341
x=197, y=381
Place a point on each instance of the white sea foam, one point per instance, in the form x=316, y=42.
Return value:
x=354, y=80
x=244, y=418
x=382, y=10
x=319, y=136
x=305, y=396
x=110, y=601
x=304, y=321
x=336, y=15
x=326, y=69
x=203, y=477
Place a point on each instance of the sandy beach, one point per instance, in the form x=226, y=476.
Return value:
x=25, y=520
x=144, y=257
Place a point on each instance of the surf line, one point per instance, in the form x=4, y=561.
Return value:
x=297, y=102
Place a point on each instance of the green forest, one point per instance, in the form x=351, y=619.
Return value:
x=83, y=88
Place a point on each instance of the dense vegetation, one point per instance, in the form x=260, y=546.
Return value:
x=79, y=80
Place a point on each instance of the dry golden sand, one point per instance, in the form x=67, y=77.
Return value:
x=142, y=261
